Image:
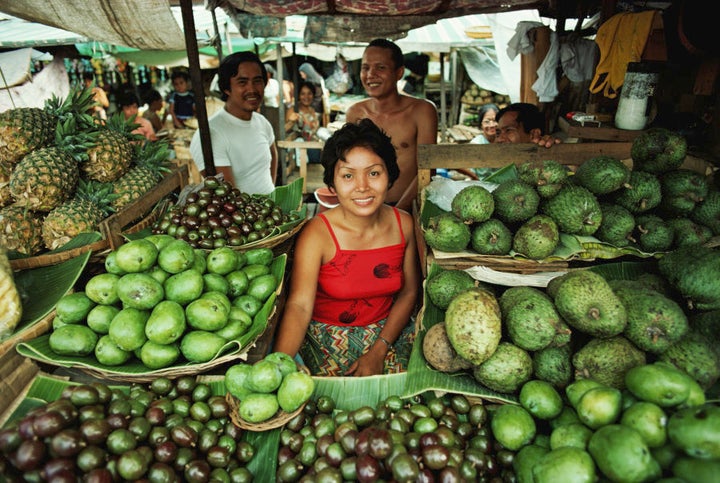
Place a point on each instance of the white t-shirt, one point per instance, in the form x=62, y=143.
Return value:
x=243, y=145
x=479, y=139
x=272, y=93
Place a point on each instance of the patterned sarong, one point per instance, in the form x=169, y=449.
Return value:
x=329, y=350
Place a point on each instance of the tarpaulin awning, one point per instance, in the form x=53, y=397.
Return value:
x=146, y=24
x=17, y=33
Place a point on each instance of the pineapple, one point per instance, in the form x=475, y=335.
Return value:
x=20, y=229
x=48, y=176
x=25, y=129
x=92, y=204
x=10, y=301
x=151, y=162
x=5, y=196
x=112, y=155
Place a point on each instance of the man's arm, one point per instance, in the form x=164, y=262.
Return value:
x=273, y=162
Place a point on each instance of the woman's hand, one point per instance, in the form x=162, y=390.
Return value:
x=371, y=363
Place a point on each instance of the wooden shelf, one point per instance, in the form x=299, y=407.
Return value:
x=596, y=131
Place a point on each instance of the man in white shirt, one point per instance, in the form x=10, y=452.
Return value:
x=243, y=141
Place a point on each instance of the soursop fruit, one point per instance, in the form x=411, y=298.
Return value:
x=537, y=238
x=653, y=234
x=707, y=211
x=575, y=209
x=694, y=271
x=506, y=370
x=554, y=365
x=695, y=355
x=602, y=174
x=533, y=322
x=617, y=225
x=681, y=190
x=515, y=201
x=474, y=325
x=688, y=233
x=546, y=176
x=654, y=321
x=707, y=324
x=439, y=352
x=443, y=286
x=491, y=237
x=473, y=204
x=658, y=150
x=642, y=194
x=607, y=360
x=447, y=232
x=587, y=303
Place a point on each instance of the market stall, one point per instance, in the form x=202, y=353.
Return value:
x=571, y=352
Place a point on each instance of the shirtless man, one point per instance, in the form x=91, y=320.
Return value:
x=409, y=121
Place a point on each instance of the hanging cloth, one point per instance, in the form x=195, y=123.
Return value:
x=621, y=40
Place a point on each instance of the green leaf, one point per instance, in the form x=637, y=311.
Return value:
x=41, y=288
x=353, y=392
x=288, y=196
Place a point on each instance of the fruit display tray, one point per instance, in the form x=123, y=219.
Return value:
x=39, y=350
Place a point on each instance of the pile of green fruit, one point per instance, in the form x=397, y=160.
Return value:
x=220, y=215
x=657, y=206
x=160, y=299
x=421, y=439
x=659, y=427
x=270, y=384
x=166, y=431
x=582, y=326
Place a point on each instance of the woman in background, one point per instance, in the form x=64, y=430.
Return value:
x=306, y=121
x=321, y=102
x=488, y=124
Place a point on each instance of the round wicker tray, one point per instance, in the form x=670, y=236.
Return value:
x=278, y=420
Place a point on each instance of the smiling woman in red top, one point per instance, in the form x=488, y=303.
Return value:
x=355, y=277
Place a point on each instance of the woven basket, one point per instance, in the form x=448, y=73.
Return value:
x=278, y=420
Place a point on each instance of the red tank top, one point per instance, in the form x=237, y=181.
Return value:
x=357, y=287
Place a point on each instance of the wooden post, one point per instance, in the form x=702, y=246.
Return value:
x=198, y=89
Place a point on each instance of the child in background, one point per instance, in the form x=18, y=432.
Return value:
x=181, y=101
x=154, y=113
x=128, y=103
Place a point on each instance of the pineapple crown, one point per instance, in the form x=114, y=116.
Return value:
x=117, y=122
x=73, y=141
x=154, y=156
x=99, y=194
x=75, y=105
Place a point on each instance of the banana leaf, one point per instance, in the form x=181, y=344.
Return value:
x=39, y=348
x=41, y=288
x=78, y=241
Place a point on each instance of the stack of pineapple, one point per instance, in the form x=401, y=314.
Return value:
x=62, y=172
